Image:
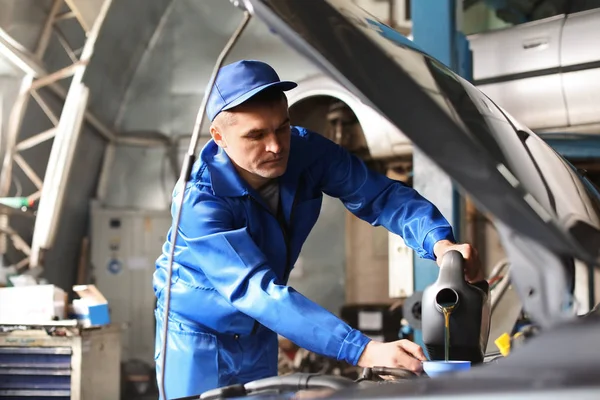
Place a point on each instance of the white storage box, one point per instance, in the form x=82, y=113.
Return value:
x=29, y=305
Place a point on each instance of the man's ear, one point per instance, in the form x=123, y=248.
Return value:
x=217, y=136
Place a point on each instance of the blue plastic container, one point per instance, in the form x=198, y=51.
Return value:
x=437, y=368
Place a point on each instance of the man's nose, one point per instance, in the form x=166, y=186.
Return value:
x=273, y=144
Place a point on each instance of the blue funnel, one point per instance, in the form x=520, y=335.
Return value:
x=437, y=368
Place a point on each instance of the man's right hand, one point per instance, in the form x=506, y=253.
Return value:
x=399, y=354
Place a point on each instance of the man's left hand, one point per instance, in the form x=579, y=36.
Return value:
x=473, y=270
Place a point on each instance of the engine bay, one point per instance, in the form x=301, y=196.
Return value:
x=558, y=363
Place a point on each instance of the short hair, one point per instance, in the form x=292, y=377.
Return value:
x=224, y=118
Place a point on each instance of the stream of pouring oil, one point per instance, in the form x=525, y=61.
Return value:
x=447, y=309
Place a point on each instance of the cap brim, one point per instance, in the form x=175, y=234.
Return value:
x=283, y=85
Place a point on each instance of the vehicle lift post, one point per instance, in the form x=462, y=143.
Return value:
x=435, y=28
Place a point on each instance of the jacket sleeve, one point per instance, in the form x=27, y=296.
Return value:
x=377, y=199
x=239, y=271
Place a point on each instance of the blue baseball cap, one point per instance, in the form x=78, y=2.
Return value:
x=239, y=81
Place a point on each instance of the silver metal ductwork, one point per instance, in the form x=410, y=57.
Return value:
x=545, y=73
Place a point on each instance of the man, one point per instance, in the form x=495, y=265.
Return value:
x=253, y=197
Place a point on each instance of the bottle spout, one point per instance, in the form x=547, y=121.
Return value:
x=452, y=267
x=446, y=299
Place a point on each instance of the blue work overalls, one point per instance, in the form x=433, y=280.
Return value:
x=233, y=258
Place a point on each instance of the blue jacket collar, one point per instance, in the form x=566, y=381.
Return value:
x=225, y=180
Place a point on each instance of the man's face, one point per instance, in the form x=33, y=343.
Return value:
x=256, y=137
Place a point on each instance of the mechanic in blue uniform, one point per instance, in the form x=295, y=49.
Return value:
x=254, y=195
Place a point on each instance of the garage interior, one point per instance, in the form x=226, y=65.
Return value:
x=98, y=99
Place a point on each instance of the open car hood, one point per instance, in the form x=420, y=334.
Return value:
x=505, y=168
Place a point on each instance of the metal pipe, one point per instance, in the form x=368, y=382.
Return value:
x=65, y=44
x=497, y=269
x=65, y=15
x=36, y=139
x=185, y=173
x=22, y=264
x=47, y=31
x=3, y=218
x=102, y=129
x=57, y=173
x=107, y=160
x=140, y=141
x=33, y=177
x=14, y=126
x=1, y=120
x=591, y=286
x=25, y=61
x=35, y=196
x=92, y=34
x=499, y=292
x=88, y=50
x=30, y=63
x=18, y=55
x=3, y=236
x=19, y=243
x=45, y=107
x=57, y=76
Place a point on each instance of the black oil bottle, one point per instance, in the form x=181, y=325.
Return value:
x=468, y=313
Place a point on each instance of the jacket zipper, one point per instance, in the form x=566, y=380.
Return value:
x=284, y=232
x=287, y=243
